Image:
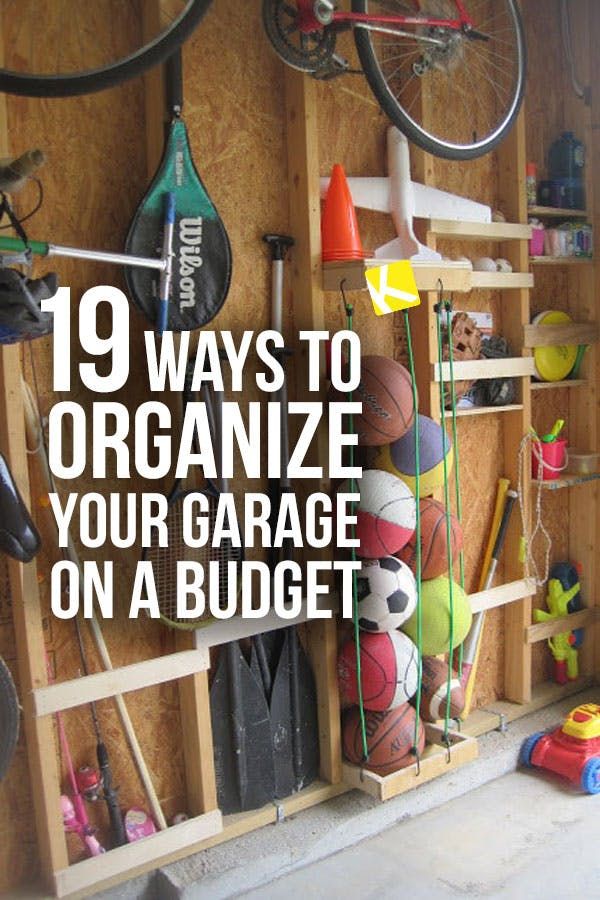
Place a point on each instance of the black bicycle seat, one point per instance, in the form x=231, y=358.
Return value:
x=19, y=537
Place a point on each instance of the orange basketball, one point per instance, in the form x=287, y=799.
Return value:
x=434, y=546
x=390, y=738
x=385, y=391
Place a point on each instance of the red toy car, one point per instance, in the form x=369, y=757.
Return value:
x=573, y=750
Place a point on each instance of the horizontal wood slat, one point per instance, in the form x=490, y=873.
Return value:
x=560, y=335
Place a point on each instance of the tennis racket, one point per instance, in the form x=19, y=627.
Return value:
x=165, y=559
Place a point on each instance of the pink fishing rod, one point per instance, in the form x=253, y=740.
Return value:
x=75, y=817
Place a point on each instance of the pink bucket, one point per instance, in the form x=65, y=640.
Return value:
x=554, y=457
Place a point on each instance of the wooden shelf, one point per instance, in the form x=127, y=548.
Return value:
x=171, y=847
x=502, y=594
x=141, y=856
x=473, y=370
x=483, y=410
x=566, y=481
x=548, y=385
x=560, y=335
x=555, y=212
x=561, y=260
x=437, y=759
x=478, y=231
x=482, y=721
x=501, y=281
x=541, y=631
x=455, y=276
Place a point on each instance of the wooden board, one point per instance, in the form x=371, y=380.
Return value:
x=479, y=231
x=544, y=630
x=437, y=759
x=560, y=261
x=487, y=368
x=559, y=335
x=454, y=276
x=502, y=281
x=555, y=212
x=548, y=385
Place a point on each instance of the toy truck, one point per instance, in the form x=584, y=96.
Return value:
x=571, y=750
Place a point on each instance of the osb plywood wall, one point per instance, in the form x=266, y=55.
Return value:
x=95, y=176
x=552, y=108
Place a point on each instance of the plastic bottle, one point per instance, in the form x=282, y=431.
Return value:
x=566, y=165
x=531, y=183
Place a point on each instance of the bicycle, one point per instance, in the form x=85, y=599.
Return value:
x=463, y=59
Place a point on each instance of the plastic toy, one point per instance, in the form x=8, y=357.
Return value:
x=405, y=200
x=566, y=667
x=572, y=750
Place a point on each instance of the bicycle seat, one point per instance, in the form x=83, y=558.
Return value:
x=19, y=537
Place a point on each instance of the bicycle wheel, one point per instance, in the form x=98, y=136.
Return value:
x=9, y=718
x=455, y=94
x=53, y=50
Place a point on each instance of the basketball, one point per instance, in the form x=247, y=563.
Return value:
x=390, y=738
x=435, y=691
x=434, y=544
x=389, y=670
x=386, y=513
x=435, y=606
x=387, y=594
x=385, y=391
x=399, y=457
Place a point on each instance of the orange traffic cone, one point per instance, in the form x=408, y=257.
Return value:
x=340, y=239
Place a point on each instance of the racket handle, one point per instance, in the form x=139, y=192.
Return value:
x=174, y=79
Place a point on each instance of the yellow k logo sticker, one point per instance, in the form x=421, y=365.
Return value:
x=392, y=287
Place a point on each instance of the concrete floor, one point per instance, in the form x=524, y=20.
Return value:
x=483, y=830
x=521, y=836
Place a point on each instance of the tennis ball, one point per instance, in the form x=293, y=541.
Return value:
x=435, y=605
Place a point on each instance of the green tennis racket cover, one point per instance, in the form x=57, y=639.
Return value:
x=201, y=250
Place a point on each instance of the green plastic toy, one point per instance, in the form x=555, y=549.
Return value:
x=566, y=664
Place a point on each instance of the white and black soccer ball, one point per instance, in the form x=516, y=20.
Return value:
x=387, y=594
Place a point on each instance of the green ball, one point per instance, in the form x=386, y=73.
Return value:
x=435, y=605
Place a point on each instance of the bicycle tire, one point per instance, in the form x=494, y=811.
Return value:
x=9, y=718
x=74, y=84
x=416, y=133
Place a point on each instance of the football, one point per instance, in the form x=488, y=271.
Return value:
x=387, y=594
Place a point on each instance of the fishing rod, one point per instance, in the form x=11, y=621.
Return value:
x=37, y=439
x=109, y=793
x=75, y=817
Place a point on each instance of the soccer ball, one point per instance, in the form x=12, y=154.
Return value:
x=387, y=594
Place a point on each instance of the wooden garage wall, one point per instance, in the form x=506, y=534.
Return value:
x=95, y=176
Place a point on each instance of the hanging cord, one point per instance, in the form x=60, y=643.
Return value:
x=6, y=208
x=349, y=311
x=529, y=444
x=457, y=494
x=581, y=91
x=411, y=363
x=438, y=310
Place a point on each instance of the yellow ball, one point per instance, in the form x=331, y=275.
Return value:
x=435, y=606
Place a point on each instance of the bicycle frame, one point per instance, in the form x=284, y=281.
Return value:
x=308, y=21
